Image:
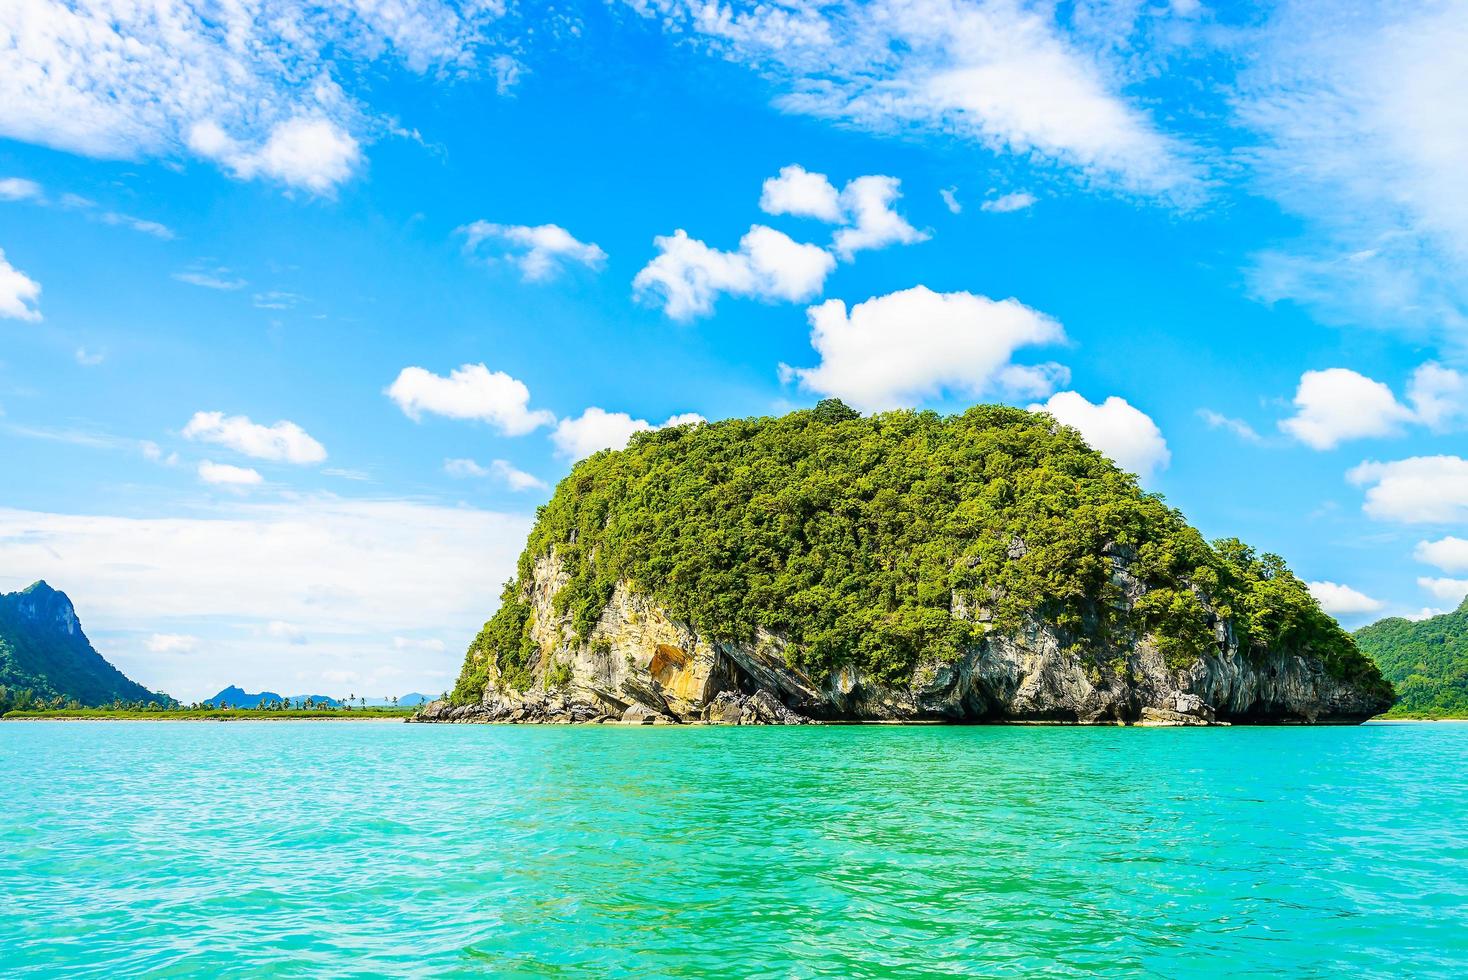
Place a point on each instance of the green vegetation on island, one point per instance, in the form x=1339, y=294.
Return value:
x=1427, y=662
x=856, y=538
x=46, y=658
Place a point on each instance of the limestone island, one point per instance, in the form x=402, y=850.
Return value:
x=904, y=566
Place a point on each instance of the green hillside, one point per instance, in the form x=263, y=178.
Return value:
x=44, y=655
x=855, y=537
x=1427, y=661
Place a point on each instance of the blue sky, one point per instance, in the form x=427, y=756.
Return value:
x=299, y=327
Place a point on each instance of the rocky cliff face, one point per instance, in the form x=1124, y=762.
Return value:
x=639, y=664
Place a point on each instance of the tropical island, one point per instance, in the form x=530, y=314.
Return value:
x=49, y=669
x=1426, y=660
x=824, y=566
x=903, y=566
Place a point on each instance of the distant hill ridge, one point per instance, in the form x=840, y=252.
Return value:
x=236, y=697
x=1426, y=660
x=43, y=650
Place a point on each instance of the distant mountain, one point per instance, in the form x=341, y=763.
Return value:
x=43, y=650
x=1427, y=661
x=235, y=697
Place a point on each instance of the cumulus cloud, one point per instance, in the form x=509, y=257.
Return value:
x=902, y=348
x=500, y=470
x=540, y=251
x=1114, y=427
x=223, y=474
x=1449, y=590
x=349, y=573
x=253, y=86
x=872, y=221
x=1342, y=600
x=1002, y=75
x=597, y=429
x=1419, y=490
x=863, y=208
x=1337, y=405
x=281, y=442
x=471, y=391
x=1449, y=553
x=950, y=199
x=687, y=276
x=311, y=153
x=1017, y=201
x=797, y=191
x=19, y=293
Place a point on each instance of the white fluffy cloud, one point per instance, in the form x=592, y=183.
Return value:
x=499, y=469
x=1001, y=74
x=1017, y=201
x=281, y=442
x=903, y=348
x=687, y=276
x=872, y=221
x=223, y=474
x=471, y=391
x=254, y=84
x=1342, y=600
x=350, y=573
x=18, y=293
x=1336, y=404
x=313, y=153
x=1449, y=553
x=797, y=191
x=597, y=429
x=1419, y=490
x=863, y=208
x=1114, y=427
x=540, y=251
x=1449, y=590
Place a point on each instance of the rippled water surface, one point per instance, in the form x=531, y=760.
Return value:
x=335, y=848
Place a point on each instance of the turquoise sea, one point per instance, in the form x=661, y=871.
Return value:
x=371, y=849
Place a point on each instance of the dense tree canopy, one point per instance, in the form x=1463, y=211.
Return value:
x=856, y=537
x=1427, y=661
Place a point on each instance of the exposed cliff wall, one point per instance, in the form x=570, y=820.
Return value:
x=638, y=663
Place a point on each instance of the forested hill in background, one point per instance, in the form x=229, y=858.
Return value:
x=1426, y=660
x=44, y=655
